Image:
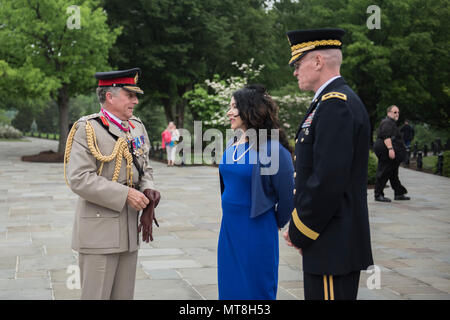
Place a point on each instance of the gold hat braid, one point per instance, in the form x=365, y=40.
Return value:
x=120, y=150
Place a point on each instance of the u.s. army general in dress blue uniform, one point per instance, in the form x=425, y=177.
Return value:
x=330, y=223
x=108, y=167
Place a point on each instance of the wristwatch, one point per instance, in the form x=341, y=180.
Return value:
x=390, y=148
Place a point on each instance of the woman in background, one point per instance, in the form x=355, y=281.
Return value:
x=170, y=138
x=166, y=138
x=174, y=137
x=255, y=206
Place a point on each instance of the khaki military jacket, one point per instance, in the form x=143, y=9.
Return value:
x=104, y=223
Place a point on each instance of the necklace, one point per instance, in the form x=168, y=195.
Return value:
x=235, y=149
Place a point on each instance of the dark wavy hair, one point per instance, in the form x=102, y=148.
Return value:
x=258, y=111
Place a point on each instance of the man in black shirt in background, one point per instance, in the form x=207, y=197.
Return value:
x=391, y=151
x=408, y=134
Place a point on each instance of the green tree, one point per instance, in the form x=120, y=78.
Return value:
x=49, y=55
x=406, y=62
x=180, y=43
x=4, y=119
x=82, y=105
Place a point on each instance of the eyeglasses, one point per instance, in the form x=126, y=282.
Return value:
x=304, y=59
x=298, y=65
x=396, y=112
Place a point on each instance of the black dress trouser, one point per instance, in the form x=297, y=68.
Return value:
x=329, y=287
x=387, y=170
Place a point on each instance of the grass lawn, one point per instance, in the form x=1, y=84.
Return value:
x=15, y=140
x=50, y=136
x=430, y=162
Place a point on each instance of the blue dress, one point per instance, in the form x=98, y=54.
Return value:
x=248, y=253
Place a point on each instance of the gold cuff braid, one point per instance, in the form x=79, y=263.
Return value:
x=120, y=151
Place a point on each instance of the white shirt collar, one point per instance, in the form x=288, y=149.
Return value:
x=112, y=116
x=323, y=86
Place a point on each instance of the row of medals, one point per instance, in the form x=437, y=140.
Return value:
x=135, y=144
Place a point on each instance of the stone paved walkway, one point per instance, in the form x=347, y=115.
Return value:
x=410, y=240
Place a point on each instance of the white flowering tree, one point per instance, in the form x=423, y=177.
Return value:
x=292, y=110
x=210, y=100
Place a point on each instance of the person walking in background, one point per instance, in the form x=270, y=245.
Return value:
x=330, y=223
x=254, y=205
x=407, y=132
x=168, y=144
x=174, y=137
x=165, y=142
x=391, y=151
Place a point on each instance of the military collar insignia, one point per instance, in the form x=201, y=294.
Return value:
x=104, y=121
x=119, y=125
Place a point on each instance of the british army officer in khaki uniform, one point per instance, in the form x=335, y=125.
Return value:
x=107, y=165
x=330, y=222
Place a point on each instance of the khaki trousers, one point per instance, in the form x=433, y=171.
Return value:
x=108, y=276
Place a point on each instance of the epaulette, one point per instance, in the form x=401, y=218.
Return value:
x=136, y=119
x=337, y=95
x=89, y=117
x=97, y=116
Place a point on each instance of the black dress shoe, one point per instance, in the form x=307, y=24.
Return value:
x=402, y=197
x=382, y=199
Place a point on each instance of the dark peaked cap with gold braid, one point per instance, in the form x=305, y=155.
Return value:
x=304, y=41
x=127, y=79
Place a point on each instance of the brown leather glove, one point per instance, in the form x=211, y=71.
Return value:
x=152, y=195
x=148, y=215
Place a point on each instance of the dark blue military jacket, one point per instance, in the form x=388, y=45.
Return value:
x=330, y=220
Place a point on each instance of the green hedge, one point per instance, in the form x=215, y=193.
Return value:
x=372, y=168
x=430, y=163
x=446, y=167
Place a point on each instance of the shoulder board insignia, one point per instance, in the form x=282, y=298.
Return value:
x=135, y=119
x=91, y=116
x=331, y=95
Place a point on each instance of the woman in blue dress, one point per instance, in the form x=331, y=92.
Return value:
x=257, y=198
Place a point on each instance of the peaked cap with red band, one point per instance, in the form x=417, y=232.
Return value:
x=127, y=79
x=304, y=41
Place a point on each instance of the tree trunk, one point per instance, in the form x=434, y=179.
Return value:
x=181, y=104
x=63, y=106
x=167, y=104
x=372, y=129
x=371, y=101
x=180, y=113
